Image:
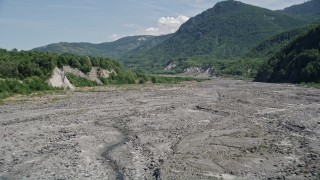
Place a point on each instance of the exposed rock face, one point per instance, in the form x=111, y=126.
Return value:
x=93, y=75
x=199, y=71
x=171, y=66
x=104, y=73
x=59, y=79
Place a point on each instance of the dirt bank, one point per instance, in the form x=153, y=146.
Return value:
x=218, y=129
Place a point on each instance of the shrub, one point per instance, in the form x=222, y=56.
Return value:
x=80, y=81
x=153, y=79
x=36, y=84
x=141, y=81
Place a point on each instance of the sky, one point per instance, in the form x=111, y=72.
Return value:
x=26, y=24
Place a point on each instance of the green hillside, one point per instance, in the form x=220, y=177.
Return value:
x=146, y=46
x=298, y=62
x=272, y=45
x=308, y=9
x=230, y=29
x=113, y=50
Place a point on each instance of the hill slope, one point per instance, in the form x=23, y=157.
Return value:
x=298, y=62
x=229, y=29
x=272, y=45
x=114, y=49
x=309, y=9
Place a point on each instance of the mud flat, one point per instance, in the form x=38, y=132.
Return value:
x=218, y=129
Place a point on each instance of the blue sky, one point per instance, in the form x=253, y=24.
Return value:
x=26, y=24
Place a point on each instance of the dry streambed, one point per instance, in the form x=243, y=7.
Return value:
x=218, y=129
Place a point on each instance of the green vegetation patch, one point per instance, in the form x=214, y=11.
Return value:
x=173, y=79
x=80, y=81
x=315, y=85
x=26, y=72
x=25, y=64
x=9, y=87
x=140, y=78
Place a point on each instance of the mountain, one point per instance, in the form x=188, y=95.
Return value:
x=297, y=62
x=74, y=48
x=272, y=45
x=230, y=29
x=307, y=9
x=114, y=49
x=156, y=40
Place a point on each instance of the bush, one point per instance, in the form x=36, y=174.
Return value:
x=80, y=81
x=153, y=79
x=36, y=84
x=141, y=81
x=14, y=86
x=18, y=87
x=4, y=87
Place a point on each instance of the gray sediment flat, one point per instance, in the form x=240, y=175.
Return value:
x=217, y=129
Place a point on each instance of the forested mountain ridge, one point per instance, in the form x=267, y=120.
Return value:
x=272, y=45
x=113, y=50
x=310, y=8
x=297, y=62
x=229, y=29
x=144, y=47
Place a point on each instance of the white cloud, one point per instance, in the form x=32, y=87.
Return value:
x=115, y=37
x=166, y=25
x=130, y=25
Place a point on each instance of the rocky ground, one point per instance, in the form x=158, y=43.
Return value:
x=218, y=129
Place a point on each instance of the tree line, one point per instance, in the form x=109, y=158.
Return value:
x=24, y=64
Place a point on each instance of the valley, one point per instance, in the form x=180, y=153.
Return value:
x=203, y=97
x=217, y=129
